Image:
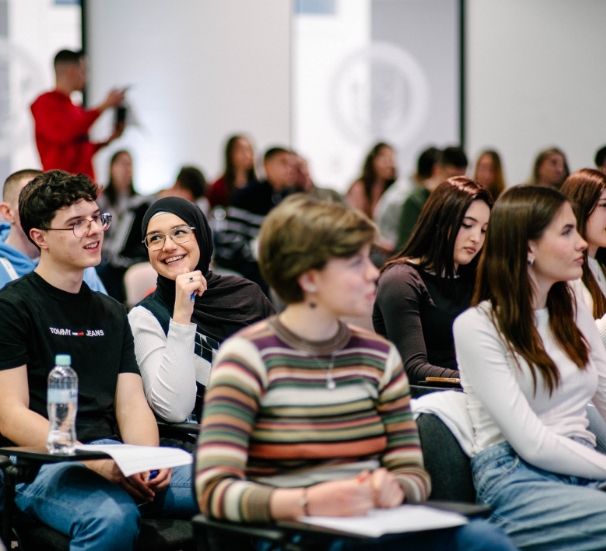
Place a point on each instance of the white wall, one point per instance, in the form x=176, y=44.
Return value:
x=37, y=30
x=536, y=78
x=370, y=71
x=200, y=70
x=321, y=43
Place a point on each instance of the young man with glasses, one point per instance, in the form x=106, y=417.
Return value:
x=18, y=255
x=52, y=311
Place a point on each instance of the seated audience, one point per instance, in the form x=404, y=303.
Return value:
x=430, y=282
x=236, y=236
x=190, y=185
x=587, y=190
x=550, y=169
x=489, y=172
x=122, y=245
x=267, y=450
x=600, y=159
x=452, y=162
x=51, y=311
x=239, y=171
x=178, y=328
x=388, y=210
x=530, y=359
x=378, y=173
x=18, y=255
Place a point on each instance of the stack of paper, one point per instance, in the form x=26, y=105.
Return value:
x=137, y=459
x=406, y=518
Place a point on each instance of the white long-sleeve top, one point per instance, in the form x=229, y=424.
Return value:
x=169, y=367
x=582, y=293
x=503, y=405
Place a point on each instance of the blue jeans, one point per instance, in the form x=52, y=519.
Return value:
x=94, y=512
x=539, y=510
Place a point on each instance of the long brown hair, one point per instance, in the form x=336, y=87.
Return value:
x=110, y=189
x=230, y=167
x=368, y=170
x=584, y=187
x=541, y=158
x=497, y=186
x=434, y=235
x=521, y=215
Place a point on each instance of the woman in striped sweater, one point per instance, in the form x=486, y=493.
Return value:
x=303, y=414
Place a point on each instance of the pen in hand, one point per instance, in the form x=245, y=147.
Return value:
x=153, y=474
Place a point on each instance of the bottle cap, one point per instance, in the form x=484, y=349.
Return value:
x=63, y=359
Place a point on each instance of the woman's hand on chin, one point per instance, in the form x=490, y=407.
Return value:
x=188, y=285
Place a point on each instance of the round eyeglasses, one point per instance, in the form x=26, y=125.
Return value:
x=81, y=228
x=181, y=234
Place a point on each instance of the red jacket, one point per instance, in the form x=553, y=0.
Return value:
x=62, y=133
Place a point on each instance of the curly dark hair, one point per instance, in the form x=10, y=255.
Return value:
x=47, y=193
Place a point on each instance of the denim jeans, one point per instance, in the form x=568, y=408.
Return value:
x=539, y=510
x=94, y=512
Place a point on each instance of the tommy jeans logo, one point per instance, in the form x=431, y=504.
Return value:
x=70, y=333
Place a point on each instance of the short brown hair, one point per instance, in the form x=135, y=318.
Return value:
x=304, y=233
x=15, y=179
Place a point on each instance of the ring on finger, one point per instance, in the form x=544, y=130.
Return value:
x=191, y=278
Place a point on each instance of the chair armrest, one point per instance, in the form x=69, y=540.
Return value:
x=187, y=432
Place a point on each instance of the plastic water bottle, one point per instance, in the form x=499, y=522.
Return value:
x=62, y=404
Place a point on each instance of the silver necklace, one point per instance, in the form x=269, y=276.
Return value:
x=330, y=382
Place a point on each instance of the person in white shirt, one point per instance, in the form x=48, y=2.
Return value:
x=530, y=359
x=587, y=189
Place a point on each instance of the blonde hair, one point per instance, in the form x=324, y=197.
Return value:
x=304, y=233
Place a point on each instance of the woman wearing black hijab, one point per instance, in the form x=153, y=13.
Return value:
x=178, y=328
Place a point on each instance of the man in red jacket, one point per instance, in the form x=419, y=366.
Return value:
x=62, y=127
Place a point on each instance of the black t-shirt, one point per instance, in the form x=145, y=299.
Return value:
x=259, y=197
x=413, y=311
x=38, y=321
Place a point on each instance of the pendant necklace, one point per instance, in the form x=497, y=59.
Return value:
x=330, y=382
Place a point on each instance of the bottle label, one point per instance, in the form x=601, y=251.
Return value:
x=62, y=396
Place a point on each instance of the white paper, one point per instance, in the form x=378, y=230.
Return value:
x=406, y=518
x=137, y=459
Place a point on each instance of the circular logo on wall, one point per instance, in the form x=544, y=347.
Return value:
x=380, y=92
x=20, y=82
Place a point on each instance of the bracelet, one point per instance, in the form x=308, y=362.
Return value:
x=304, y=503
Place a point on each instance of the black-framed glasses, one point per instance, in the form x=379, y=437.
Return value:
x=81, y=228
x=180, y=234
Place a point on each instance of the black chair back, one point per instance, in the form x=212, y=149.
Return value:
x=445, y=461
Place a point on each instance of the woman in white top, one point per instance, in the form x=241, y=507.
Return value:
x=530, y=360
x=587, y=189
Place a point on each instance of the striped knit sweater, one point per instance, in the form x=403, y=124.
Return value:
x=271, y=421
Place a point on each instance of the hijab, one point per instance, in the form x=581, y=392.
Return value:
x=229, y=303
